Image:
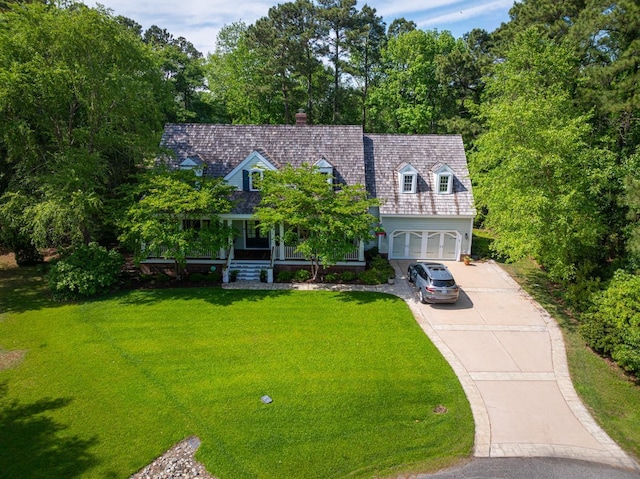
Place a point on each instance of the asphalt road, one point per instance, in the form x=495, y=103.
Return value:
x=532, y=468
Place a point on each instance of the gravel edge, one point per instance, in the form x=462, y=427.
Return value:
x=176, y=463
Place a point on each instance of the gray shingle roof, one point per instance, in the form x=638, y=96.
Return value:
x=386, y=154
x=223, y=147
x=373, y=160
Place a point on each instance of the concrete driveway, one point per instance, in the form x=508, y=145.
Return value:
x=509, y=356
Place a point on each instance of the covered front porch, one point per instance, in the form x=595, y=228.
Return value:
x=251, y=251
x=250, y=243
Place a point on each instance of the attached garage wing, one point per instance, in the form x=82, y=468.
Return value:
x=415, y=245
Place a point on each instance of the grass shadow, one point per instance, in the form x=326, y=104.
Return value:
x=218, y=296
x=228, y=297
x=32, y=445
x=23, y=289
x=365, y=297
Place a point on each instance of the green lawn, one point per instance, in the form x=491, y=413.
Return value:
x=108, y=385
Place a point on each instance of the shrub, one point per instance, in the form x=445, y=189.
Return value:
x=162, y=278
x=332, y=277
x=379, y=271
x=284, y=276
x=89, y=271
x=371, y=276
x=302, y=275
x=347, y=276
x=612, y=326
x=198, y=277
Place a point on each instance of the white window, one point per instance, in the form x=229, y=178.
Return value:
x=443, y=179
x=255, y=175
x=445, y=183
x=409, y=181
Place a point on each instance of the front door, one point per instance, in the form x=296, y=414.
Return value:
x=254, y=238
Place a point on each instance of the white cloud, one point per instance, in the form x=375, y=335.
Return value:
x=465, y=13
x=199, y=21
x=397, y=9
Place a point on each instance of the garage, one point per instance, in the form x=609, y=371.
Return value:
x=437, y=245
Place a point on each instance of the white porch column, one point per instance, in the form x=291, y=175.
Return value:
x=281, y=252
x=231, y=248
x=222, y=253
x=272, y=241
x=361, y=251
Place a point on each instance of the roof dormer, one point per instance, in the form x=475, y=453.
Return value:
x=246, y=175
x=326, y=168
x=443, y=179
x=193, y=163
x=407, y=179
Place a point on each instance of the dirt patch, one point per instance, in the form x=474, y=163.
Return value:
x=440, y=409
x=8, y=261
x=10, y=359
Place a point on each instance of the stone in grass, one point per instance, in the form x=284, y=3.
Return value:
x=266, y=399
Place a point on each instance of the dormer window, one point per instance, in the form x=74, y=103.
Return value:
x=408, y=179
x=247, y=175
x=193, y=163
x=409, y=183
x=255, y=176
x=443, y=176
x=444, y=184
x=325, y=168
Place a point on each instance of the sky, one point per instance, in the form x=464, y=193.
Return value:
x=199, y=21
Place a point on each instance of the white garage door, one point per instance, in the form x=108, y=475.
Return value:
x=441, y=245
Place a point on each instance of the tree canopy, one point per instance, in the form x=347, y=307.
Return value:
x=175, y=214
x=325, y=223
x=80, y=106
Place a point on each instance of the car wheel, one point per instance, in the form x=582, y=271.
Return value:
x=423, y=299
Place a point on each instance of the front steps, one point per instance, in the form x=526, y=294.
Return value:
x=249, y=270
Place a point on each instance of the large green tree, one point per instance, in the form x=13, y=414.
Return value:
x=287, y=42
x=534, y=170
x=606, y=37
x=183, y=67
x=174, y=214
x=410, y=98
x=338, y=18
x=237, y=86
x=324, y=222
x=79, y=109
x=367, y=40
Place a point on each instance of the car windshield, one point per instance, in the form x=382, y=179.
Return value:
x=443, y=283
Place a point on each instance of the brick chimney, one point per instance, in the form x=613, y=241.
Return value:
x=301, y=118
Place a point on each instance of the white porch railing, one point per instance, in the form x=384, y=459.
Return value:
x=290, y=253
x=196, y=253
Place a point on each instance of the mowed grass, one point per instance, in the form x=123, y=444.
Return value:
x=106, y=386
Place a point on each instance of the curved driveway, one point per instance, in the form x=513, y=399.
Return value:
x=509, y=356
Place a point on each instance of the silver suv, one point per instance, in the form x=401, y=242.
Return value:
x=434, y=282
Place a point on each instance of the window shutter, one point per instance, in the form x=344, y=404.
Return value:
x=245, y=180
